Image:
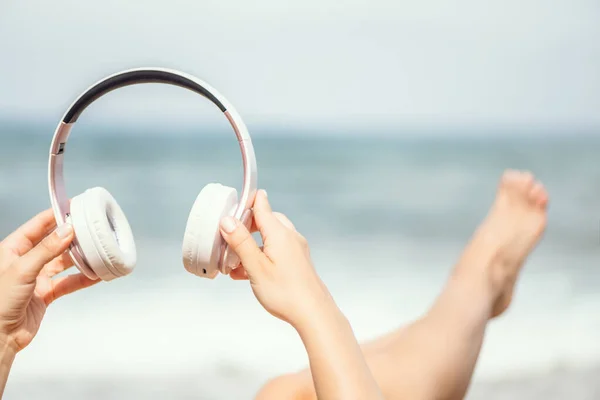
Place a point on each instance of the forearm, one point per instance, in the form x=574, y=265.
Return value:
x=338, y=367
x=7, y=356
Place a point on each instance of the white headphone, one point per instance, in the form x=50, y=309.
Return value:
x=104, y=246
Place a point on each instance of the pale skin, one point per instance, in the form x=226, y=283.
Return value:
x=29, y=259
x=281, y=274
x=434, y=357
x=286, y=284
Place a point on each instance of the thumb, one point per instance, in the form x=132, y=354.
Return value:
x=31, y=263
x=243, y=244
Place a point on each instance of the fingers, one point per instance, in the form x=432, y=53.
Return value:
x=253, y=227
x=241, y=241
x=266, y=222
x=30, y=233
x=31, y=263
x=58, y=265
x=238, y=274
x=67, y=285
x=261, y=204
x=284, y=220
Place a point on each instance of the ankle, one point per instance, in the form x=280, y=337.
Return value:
x=472, y=283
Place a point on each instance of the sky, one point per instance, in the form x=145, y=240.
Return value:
x=430, y=63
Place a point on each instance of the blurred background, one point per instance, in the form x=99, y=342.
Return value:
x=381, y=129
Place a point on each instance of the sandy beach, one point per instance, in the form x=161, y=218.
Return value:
x=557, y=385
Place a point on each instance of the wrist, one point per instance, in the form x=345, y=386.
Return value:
x=318, y=316
x=8, y=352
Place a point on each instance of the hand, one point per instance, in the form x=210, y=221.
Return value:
x=286, y=284
x=281, y=274
x=29, y=258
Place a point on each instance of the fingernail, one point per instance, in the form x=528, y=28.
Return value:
x=264, y=192
x=228, y=224
x=64, y=230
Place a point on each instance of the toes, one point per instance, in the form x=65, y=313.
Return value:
x=538, y=195
x=510, y=176
x=527, y=179
x=523, y=185
x=519, y=180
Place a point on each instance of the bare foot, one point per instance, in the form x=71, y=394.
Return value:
x=510, y=232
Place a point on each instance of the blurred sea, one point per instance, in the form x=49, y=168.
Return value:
x=386, y=219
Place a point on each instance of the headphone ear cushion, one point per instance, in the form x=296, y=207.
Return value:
x=103, y=234
x=202, y=240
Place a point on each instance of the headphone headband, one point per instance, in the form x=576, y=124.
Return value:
x=139, y=76
x=56, y=184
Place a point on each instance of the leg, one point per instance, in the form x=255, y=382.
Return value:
x=434, y=358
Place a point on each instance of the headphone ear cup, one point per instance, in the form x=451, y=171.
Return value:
x=103, y=235
x=202, y=240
